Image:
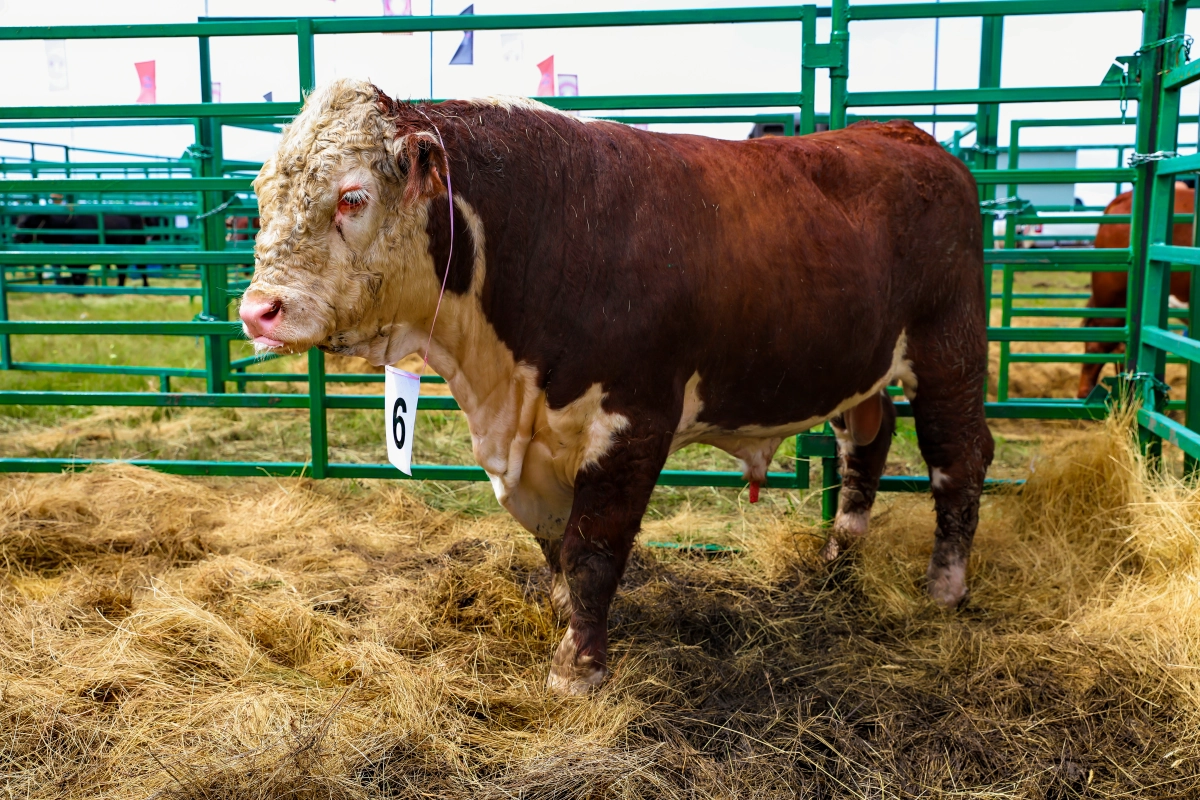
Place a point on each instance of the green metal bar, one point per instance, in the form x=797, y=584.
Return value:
x=1179, y=164
x=1009, y=8
x=1174, y=254
x=99, y=185
x=1032, y=259
x=922, y=97
x=1165, y=340
x=276, y=111
x=808, y=74
x=317, y=419
x=306, y=55
x=1165, y=428
x=1179, y=77
x=1014, y=176
x=1191, y=464
x=120, y=328
x=105, y=369
x=1057, y=334
x=5, y=342
x=21, y=288
x=1006, y=315
x=214, y=300
x=839, y=73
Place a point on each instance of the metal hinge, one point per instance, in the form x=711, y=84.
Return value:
x=826, y=56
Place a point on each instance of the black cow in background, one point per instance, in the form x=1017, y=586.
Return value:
x=80, y=230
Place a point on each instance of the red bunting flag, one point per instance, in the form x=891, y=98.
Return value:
x=145, y=71
x=546, y=84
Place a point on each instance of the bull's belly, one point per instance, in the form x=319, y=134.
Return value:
x=535, y=453
x=754, y=445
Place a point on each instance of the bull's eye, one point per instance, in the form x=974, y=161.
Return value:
x=352, y=200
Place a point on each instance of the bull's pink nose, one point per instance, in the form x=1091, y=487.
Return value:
x=261, y=317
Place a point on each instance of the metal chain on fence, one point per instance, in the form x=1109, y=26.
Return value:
x=1137, y=159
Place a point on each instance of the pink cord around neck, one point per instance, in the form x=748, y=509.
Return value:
x=446, y=276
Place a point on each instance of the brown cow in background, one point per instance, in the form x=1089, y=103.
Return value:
x=1110, y=289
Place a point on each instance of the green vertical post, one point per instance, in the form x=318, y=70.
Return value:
x=987, y=135
x=801, y=464
x=317, y=422
x=830, y=484
x=1158, y=193
x=214, y=299
x=839, y=40
x=5, y=342
x=1006, y=304
x=1154, y=22
x=987, y=124
x=808, y=75
x=1191, y=466
x=306, y=56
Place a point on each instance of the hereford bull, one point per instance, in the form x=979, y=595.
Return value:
x=612, y=295
x=1110, y=289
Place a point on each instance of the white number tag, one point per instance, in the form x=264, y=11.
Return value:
x=400, y=415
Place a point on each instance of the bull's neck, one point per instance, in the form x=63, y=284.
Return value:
x=502, y=189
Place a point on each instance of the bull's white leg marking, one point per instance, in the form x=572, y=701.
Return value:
x=938, y=478
x=948, y=585
x=571, y=673
x=560, y=596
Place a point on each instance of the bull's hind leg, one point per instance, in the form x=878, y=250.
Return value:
x=560, y=595
x=610, y=499
x=956, y=444
x=861, y=467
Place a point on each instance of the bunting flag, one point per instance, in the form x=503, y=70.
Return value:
x=568, y=85
x=216, y=92
x=269, y=97
x=546, y=84
x=56, y=64
x=406, y=11
x=145, y=71
x=465, y=54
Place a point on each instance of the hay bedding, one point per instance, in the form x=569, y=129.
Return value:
x=177, y=638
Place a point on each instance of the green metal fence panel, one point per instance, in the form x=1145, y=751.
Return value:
x=209, y=182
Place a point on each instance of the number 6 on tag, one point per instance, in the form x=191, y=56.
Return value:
x=400, y=415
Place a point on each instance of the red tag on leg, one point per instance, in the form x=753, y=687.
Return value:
x=753, y=492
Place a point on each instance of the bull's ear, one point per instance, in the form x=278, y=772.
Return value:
x=422, y=161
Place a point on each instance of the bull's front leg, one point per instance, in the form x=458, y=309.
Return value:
x=610, y=498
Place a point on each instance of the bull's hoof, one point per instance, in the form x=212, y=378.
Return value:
x=560, y=597
x=947, y=583
x=848, y=529
x=572, y=673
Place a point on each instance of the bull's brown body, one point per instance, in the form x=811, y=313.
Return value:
x=1111, y=289
x=649, y=291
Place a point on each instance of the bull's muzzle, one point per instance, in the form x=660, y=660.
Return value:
x=261, y=316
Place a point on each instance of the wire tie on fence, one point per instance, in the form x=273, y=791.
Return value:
x=1137, y=159
x=1003, y=206
x=218, y=209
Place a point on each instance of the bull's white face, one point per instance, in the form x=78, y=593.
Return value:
x=337, y=236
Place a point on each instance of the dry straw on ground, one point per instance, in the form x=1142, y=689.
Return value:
x=181, y=638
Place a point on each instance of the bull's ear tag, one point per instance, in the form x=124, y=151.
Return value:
x=400, y=391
